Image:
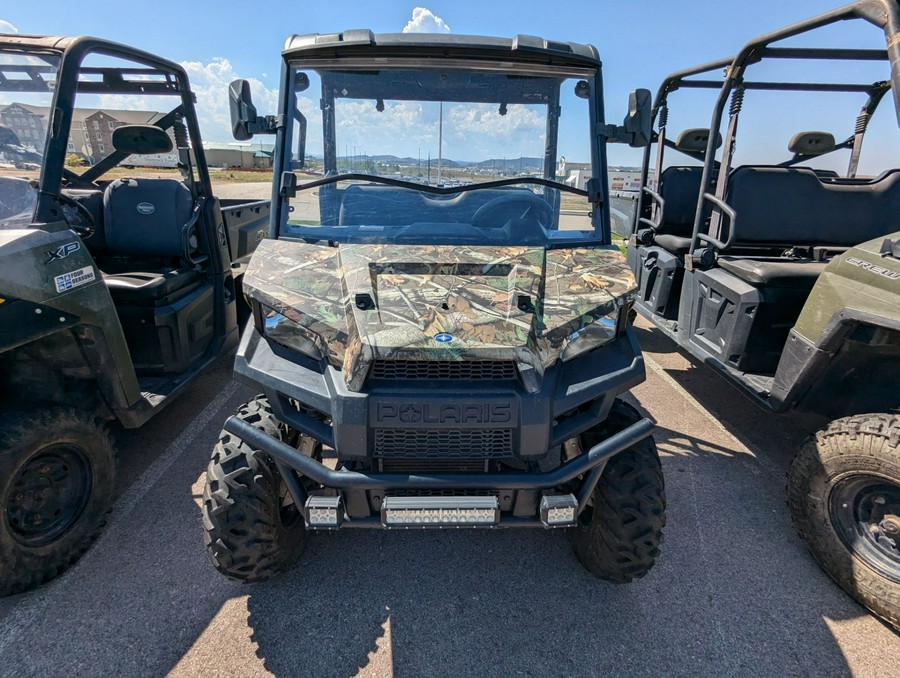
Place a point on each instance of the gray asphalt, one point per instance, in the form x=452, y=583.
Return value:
x=734, y=592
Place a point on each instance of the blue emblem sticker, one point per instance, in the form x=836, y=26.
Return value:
x=443, y=338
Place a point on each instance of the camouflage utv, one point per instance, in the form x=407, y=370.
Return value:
x=438, y=342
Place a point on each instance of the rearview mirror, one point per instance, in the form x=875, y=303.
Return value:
x=141, y=140
x=637, y=123
x=243, y=112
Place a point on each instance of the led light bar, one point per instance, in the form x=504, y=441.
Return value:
x=324, y=513
x=440, y=511
x=559, y=510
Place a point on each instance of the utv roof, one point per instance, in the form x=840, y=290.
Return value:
x=363, y=42
x=82, y=43
x=50, y=43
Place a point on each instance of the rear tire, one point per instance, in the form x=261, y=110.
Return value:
x=619, y=533
x=842, y=483
x=249, y=531
x=57, y=471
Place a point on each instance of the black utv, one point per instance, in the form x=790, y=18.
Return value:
x=438, y=343
x=117, y=286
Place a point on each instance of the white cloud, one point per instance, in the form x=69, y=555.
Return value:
x=520, y=120
x=210, y=83
x=424, y=21
x=471, y=131
x=6, y=27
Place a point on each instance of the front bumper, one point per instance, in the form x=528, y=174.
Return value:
x=587, y=466
x=314, y=399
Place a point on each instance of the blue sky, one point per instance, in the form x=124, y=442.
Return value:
x=640, y=41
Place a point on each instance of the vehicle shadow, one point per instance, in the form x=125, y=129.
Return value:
x=773, y=439
x=776, y=437
x=651, y=339
x=145, y=590
x=733, y=593
x=507, y=603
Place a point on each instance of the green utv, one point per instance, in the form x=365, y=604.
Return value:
x=785, y=278
x=439, y=322
x=117, y=286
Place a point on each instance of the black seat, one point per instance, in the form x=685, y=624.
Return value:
x=390, y=206
x=679, y=187
x=673, y=243
x=773, y=271
x=788, y=206
x=797, y=206
x=149, y=218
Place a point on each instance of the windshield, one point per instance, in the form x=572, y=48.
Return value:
x=26, y=90
x=434, y=156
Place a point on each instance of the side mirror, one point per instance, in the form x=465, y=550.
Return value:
x=243, y=112
x=244, y=120
x=637, y=124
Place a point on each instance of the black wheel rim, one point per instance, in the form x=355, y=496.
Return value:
x=864, y=511
x=48, y=494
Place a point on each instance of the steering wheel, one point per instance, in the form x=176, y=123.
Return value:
x=497, y=212
x=87, y=225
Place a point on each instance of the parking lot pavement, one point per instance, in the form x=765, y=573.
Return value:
x=734, y=593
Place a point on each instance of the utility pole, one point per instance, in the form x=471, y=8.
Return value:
x=440, y=142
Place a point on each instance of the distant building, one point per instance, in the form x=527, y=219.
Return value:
x=238, y=155
x=91, y=132
x=28, y=125
x=620, y=179
x=578, y=178
x=624, y=180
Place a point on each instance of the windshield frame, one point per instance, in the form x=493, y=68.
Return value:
x=286, y=187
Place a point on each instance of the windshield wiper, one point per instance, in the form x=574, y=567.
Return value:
x=446, y=190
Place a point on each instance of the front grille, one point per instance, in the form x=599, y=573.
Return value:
x=444, y=369
x=492, y=443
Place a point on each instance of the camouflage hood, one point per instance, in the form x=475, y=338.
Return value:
x=362, y=303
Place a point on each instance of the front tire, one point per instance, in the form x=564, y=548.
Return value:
x=619, y=533
x=844, y=494
x=57, y=472
x=251, y=528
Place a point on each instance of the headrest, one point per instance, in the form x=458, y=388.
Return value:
x=141, y=139
x=695, y=140
x=811, y=143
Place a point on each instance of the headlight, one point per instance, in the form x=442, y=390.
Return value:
x=591, y=336
x=286, y=332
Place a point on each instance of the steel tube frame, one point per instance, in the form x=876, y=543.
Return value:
x=884, y=14
x=318, y=472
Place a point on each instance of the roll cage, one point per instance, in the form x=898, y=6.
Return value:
x=882, y=13
x=160, y=77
